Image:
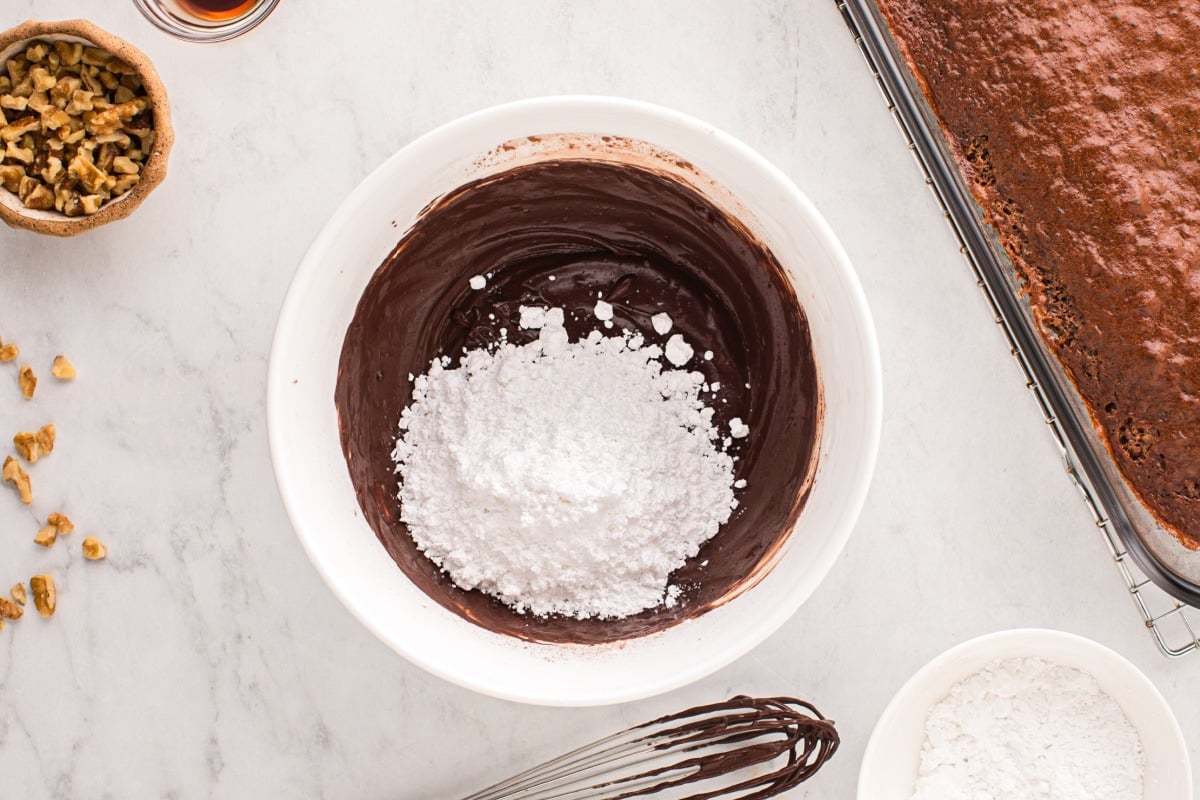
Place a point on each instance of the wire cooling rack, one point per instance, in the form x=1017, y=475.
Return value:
x=1171, y=623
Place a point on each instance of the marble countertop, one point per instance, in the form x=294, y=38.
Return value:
x=206, y=658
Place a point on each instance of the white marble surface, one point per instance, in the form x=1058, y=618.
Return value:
x=207, y=659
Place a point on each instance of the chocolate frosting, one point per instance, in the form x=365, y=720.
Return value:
x=769, y=745
x=555, y=234
x=751, y=748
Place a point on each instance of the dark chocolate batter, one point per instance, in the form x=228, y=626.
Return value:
x=650, y=244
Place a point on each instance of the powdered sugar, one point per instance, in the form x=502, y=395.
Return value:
x=563, y=477
x=678, y=351
x=1026, y=729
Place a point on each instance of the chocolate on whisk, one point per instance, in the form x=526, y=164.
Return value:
x=759, y=731
x=747, y=748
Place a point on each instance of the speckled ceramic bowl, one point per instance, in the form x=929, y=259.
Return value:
x=12, y=210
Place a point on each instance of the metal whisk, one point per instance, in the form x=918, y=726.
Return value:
x=747, y=748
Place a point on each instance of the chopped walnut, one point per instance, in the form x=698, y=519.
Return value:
x=32, y=446
x=93, y=549
x=47, y=536
x=27, y=380
x=87, y=173
x=125, y=166
x=81, y=101
x=28, y=447
x=60, y=521
x=18, y=593
x=14, y=152
x=13, y=103
x=59, y=103
x=90, y=203
x=18, y=128
x=43, y=81
x=37, y=52
x=39, y=101
x=44, y=596
x=12, y=473
x=9, y=352
x=95, y=57
x=63, y=369
x=9, y=609
x=125, y=183
x=36, y=195
x=47, y=435
x=10, y=177
x=53, y=169
x=69, y=53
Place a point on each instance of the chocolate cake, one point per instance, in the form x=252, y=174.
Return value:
x=1077, y=126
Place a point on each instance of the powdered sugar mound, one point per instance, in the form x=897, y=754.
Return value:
x=563, y=477
x=1025, y=728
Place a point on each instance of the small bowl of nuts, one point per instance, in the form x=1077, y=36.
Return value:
x=85, y=127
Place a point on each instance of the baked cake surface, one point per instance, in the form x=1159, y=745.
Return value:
x=1077, y=125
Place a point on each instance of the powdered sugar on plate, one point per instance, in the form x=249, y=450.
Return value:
x=563, y=477
x=1026, y=729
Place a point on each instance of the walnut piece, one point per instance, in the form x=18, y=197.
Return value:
x=27, y=380
x=93, y=549
x=39, y=198
x=18, y=128
x=32, y=446
x=63, y=369
x=60, y=103
x=12, y=473
x=18, y=593
x=69, y=53
x=9, y=609
x=47, y=536
x=44, y=596
x=10, y=177
x=9, y=352
x=60, y=521
x=14, y=152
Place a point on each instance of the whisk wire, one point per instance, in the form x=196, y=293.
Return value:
x=743, y=748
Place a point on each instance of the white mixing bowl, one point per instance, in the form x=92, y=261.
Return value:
x=892, y=760
x=311, y=470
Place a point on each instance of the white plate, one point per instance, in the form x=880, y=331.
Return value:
x=893, y=756
x=312, y=474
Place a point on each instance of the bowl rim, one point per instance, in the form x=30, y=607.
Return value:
x=176, y=25
x=1031, y=641
x=856, y=492
x=155, y=169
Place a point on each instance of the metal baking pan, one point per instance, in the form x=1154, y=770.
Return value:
x=1132, y=531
